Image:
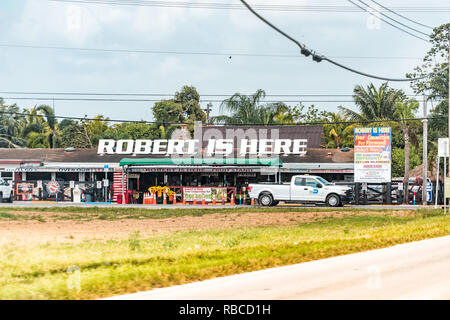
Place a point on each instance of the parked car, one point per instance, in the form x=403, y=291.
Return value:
x=6, y=191
x=301, y=189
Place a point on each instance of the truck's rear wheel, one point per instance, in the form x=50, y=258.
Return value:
x=11, y=198
x=333, y=200
x=1, y=197
x=265, y=199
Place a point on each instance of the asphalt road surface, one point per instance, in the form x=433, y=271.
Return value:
x=416, y=270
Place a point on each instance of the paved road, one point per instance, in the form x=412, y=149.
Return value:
x=179, y=206
x=417, y=270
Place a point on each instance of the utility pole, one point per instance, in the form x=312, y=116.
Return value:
x=54, y=126
x=445, y=165
x=425, y=152
x=208, y=110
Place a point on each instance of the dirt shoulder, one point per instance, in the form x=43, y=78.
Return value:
x=32, y=231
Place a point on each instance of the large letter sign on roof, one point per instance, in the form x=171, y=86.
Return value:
x=372, y=158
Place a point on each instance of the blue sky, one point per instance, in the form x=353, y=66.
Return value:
x=336, y=34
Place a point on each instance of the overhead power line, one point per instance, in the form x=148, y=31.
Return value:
x=397, y=14
x=158, y=100
x=187, y=123
x=171, y=94
x=318, y=57
x=200, y=53
x=392, y=19
x=385, y=21
x=262, y=7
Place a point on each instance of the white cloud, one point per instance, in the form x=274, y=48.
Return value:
x=46, y=21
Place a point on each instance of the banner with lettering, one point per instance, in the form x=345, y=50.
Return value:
x=372, y=157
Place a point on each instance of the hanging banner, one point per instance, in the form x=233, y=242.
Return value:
x=191, y=193
x=372, y=157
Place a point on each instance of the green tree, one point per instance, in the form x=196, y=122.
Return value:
x=134, y=131
x=310, y=115
x=249, y=110
x=96, y=128
x=402, y=112
x=189, y=99
x=338, y=134
x=52, y=124
x=286, y=114
x=398, y=161
x=373, y=103
x=32, y=122
x=76, y=135
x=435, y=86
x=10, y=127
x=37, y=140
x=66, y=123
x=167, y=113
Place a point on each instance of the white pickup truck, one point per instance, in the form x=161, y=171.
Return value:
x=6, y=191
x=304, y=189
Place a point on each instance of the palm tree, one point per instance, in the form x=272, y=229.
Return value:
x=248, y=109
x=339, y=134
x=51, y=123
x=32, y=123
x=373, y=103
x=403, y=111
x=96, y=128
x=9, y=127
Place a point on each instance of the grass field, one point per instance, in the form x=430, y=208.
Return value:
x=105, y=213
x=94, y=269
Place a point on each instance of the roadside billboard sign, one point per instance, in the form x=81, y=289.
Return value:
x=372, y=157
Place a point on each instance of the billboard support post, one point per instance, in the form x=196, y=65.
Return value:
x=388, y=193
x=437, y=182
x=443, y=151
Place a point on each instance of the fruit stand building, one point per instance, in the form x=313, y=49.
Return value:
x=52, y=174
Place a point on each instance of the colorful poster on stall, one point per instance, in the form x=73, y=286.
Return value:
x=24, y=188
x=191, y=193
x=372, y=157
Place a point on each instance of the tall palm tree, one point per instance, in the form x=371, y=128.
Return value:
x=31, y=122
x=403, y=111
x=51, y=123
x=248, y=109
x=373, y=103
x=9, y=127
